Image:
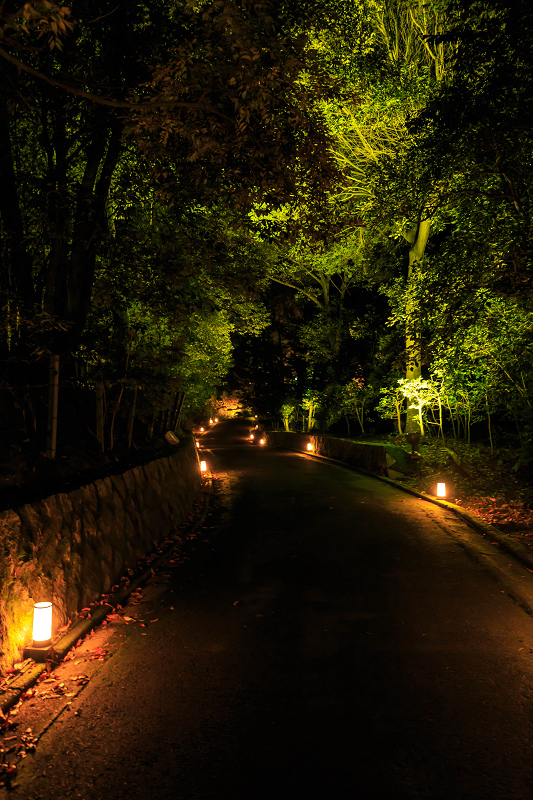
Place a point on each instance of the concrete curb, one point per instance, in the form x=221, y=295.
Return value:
x=484, y=528
x=81, y=627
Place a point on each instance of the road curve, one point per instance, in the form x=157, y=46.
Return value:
x=329, y=638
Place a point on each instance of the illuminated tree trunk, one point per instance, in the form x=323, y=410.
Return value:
x=417, y=238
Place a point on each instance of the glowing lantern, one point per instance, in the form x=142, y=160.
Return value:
x=261, y=441
x=441, y=490
x=197, y=444
x=201, y=430
x=203, y=466
x=210, y=421
x=252, y=437
x=216, y=419
x=310, y=446
x=42, y=624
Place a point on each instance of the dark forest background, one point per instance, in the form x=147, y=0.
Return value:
x=315, y=212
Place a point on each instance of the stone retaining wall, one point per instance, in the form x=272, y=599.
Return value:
x=372, y=457
x=72, y=547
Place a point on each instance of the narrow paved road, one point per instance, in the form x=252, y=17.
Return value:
x=329, y=639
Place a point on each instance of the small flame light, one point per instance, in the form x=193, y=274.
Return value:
x=210, y=421
x=441, y=490
x=42, y=624
x=216, y=419
x=261, y=441
x=197, y=444
x=310, y=446
x=201, y=430
x=203, y=466
x=252, y=437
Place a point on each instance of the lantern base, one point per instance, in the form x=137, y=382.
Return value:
x=39, y=652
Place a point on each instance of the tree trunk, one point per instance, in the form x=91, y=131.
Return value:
x=132, y=416
x=100, y=413
x=417, y=238
x=177, y=421
x=53, y=397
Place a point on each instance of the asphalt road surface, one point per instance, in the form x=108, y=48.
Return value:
x=328, y=638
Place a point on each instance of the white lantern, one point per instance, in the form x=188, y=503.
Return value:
x=441, y=490
x=310, y=446
x=203, y=466
x=42, y=624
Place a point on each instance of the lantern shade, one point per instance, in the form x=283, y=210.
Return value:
x=203, y=466
x=42, y=624
x=441, y=490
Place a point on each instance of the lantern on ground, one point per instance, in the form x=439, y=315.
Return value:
x=261, y=441
x=203, y=466
x=252, y=437
x=310, y=446
x=201, y=430
x=216, y=419
x=42, y=624
x=441, y=490
x=210, y=421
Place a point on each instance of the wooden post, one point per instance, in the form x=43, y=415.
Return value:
x=53, y=397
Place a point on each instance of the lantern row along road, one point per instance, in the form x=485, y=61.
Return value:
x=330, y=635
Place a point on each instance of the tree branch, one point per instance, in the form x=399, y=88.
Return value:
x=106, y=101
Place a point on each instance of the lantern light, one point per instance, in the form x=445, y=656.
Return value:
x=203, y=466
x=216, y=419
x=261, y=441
x=441, y=490
x=210, y=421
x=201, y=430
x=197, y=444
x=310, y=446
x=42, y=624
x=252, y=437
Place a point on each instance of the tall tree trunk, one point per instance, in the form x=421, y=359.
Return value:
x=132, y=416
x=53, y=398
x=16, y=275
x=100, y=413
x=417, y=238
